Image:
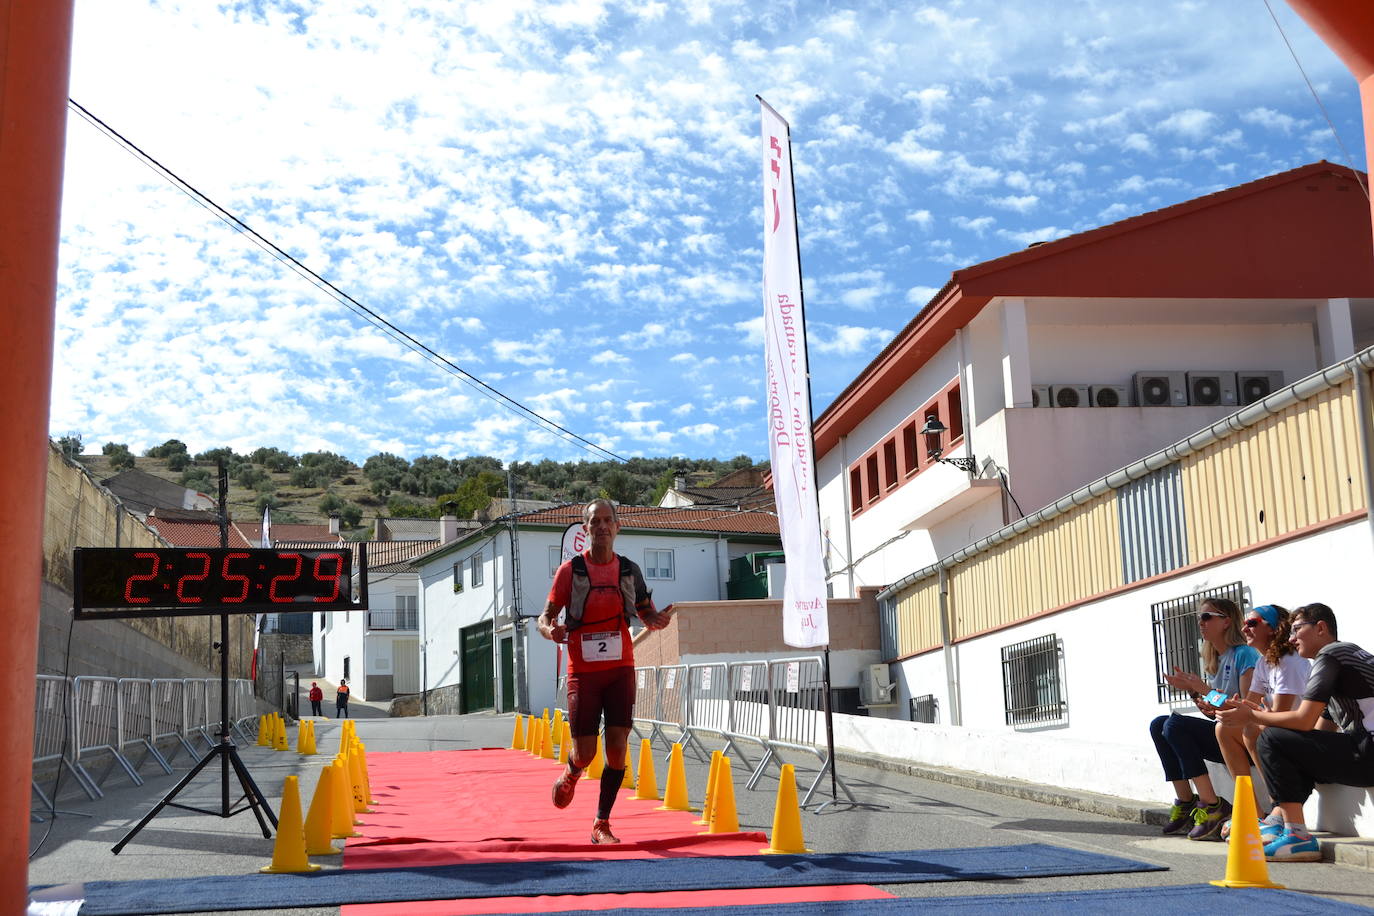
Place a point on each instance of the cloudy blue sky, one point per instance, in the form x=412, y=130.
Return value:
x=562, y=197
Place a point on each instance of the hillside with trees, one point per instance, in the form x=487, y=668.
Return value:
x=312, y=486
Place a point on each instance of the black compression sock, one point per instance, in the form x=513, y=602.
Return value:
x=610, y=787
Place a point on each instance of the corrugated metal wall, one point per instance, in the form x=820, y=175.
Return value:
x=1153, y=537
x=1292, y=470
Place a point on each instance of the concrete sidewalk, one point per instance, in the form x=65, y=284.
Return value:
x=903, y=809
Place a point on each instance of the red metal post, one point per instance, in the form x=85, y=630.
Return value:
x=35, y=52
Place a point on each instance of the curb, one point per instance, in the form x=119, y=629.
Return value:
x=1353, y=852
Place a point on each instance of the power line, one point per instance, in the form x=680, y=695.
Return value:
x=358, y=308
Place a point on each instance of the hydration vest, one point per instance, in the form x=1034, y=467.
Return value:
x=633, y=591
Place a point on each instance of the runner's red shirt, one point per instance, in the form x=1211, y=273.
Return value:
x=604, y=614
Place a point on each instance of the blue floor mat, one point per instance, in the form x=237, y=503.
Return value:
x=1178, y=900
x=525, y=879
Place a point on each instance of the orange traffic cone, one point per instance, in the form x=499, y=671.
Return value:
x=536, y=740
x=724, y=817
x=319, y=822
x=341, y=817
x=517, y=738
x=1245, y=866
x=264, y=736
x=675, y=790
x=705, y=819
x=355, y=782
x=288, y=852
x=787, y=828
x=279, y=737
x=647, y=787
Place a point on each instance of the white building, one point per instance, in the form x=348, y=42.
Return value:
x=471, y=593
x=377, y=650
x=1033, y=648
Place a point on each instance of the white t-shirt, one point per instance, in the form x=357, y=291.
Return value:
x=1289, y=676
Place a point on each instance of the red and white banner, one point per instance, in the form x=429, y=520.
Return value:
x=805, y=619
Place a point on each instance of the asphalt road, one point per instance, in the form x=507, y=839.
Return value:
x=899, y=812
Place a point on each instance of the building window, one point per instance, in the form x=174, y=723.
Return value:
x=925, y=709
x=1177, y=636
x=658, y=564
x=890, y=463
x=1031, y=684
x=954, y=408
x=476, y=569
x=407, y=612
x=457, y=578
x=555, y=560
x=856, y=490
x=911, y=455
x=875, y=488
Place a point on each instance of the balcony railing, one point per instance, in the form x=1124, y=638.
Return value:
x=393, y=620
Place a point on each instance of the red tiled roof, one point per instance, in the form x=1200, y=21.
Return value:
x=181, y=532
x=382, y=556
x=659, y=518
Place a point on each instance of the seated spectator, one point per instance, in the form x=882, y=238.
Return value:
x=1278, y=683
x=1326, y=739
x=1186, y=743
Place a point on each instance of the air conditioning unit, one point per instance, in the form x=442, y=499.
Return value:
x=1069, y=396
x=1109, y=396
x=1209, y=388
x=1040, y=396
x=1256, y=384
x=1160, y=388
x=875, y=687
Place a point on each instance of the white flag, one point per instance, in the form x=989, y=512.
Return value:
x=266, y=543
x=805, y=620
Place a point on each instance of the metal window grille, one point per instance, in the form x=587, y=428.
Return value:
x=925, y=709
x=1030, y=681
x=1178, y=640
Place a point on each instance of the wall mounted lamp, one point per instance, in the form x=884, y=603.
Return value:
x=932, y=432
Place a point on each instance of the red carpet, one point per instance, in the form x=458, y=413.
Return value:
x=453, y=807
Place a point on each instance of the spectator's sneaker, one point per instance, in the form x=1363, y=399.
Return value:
x=601, y=833
x=1225, y=834
x=563, y=789
x=1270, y=832
x=1289, y=847
x=1207, y=821
x=1180, y=817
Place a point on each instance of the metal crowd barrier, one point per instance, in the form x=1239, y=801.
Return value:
x=96, y=702
x=136, y=723
x=78, y=718
x=646, y=700
x=778, y=705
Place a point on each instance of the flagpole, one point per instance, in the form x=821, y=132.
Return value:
x=801, y=290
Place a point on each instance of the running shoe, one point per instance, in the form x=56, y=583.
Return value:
x=1207, y=821
x=1290, y=847
x=1180, y=817
x=601, y=833
x=1270, y=832
x=563, y=789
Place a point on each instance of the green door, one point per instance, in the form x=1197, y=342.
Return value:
x=479, y=678
x=507, y=675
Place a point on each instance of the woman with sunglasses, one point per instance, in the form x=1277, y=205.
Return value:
x=1186, y=743
x=1279, y=680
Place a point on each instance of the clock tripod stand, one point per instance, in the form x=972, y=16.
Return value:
x=228, y=756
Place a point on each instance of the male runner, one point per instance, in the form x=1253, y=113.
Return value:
x=599, y=590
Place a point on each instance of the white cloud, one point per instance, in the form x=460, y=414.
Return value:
x=1191, y=122
x=1270, y=119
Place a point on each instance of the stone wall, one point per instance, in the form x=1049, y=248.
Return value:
x=81, y=513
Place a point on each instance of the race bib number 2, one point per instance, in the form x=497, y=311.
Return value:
x=601, y=647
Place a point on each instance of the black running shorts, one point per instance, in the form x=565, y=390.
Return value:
x=611, y=691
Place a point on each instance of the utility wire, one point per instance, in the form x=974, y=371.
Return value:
x=367, y=314
x=1312, y=89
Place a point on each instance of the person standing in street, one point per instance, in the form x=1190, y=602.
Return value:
x=316, y=696
x=589, y=607
x=341, y=700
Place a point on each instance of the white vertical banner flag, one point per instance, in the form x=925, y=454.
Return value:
x=805, y=620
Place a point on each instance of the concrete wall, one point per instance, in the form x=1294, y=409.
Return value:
x=81, y=513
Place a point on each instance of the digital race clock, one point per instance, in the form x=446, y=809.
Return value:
x=164, y=581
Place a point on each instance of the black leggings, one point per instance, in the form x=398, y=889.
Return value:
x=1293, y=762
